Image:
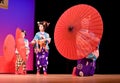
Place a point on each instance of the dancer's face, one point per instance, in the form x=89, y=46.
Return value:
x=23, y=34
x=41, y=28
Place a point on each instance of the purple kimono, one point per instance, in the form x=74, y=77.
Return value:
x=87, y=65
x=42, y=60
x=42, y=55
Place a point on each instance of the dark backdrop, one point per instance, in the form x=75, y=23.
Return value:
x=108, y=61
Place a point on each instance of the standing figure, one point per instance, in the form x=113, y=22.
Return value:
x=41, y=41
x=87, y=65
x=20, y=63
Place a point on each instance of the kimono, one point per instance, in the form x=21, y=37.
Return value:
x=19, y=60
x=87, y=65
x=42, y=51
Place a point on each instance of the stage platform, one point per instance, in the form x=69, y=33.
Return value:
x=59, y=78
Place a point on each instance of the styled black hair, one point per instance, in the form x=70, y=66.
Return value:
x=44, y=23
x=23, y=32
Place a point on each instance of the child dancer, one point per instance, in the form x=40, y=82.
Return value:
x=41, y=41
x=20, y=62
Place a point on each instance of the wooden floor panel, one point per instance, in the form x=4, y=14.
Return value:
x=58, y=78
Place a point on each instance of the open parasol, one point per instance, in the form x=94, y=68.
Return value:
x=20, y=45
x=9, y=47
x=78, y=31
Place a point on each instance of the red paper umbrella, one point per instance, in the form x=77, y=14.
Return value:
x=18, y=33
x=20, y=45
x=78, y=31
x=9, y=47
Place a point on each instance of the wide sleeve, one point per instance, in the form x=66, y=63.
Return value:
x=27, y=46
x=48, y=39
x=35, y=39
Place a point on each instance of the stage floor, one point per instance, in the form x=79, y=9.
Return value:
x=59, y=78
